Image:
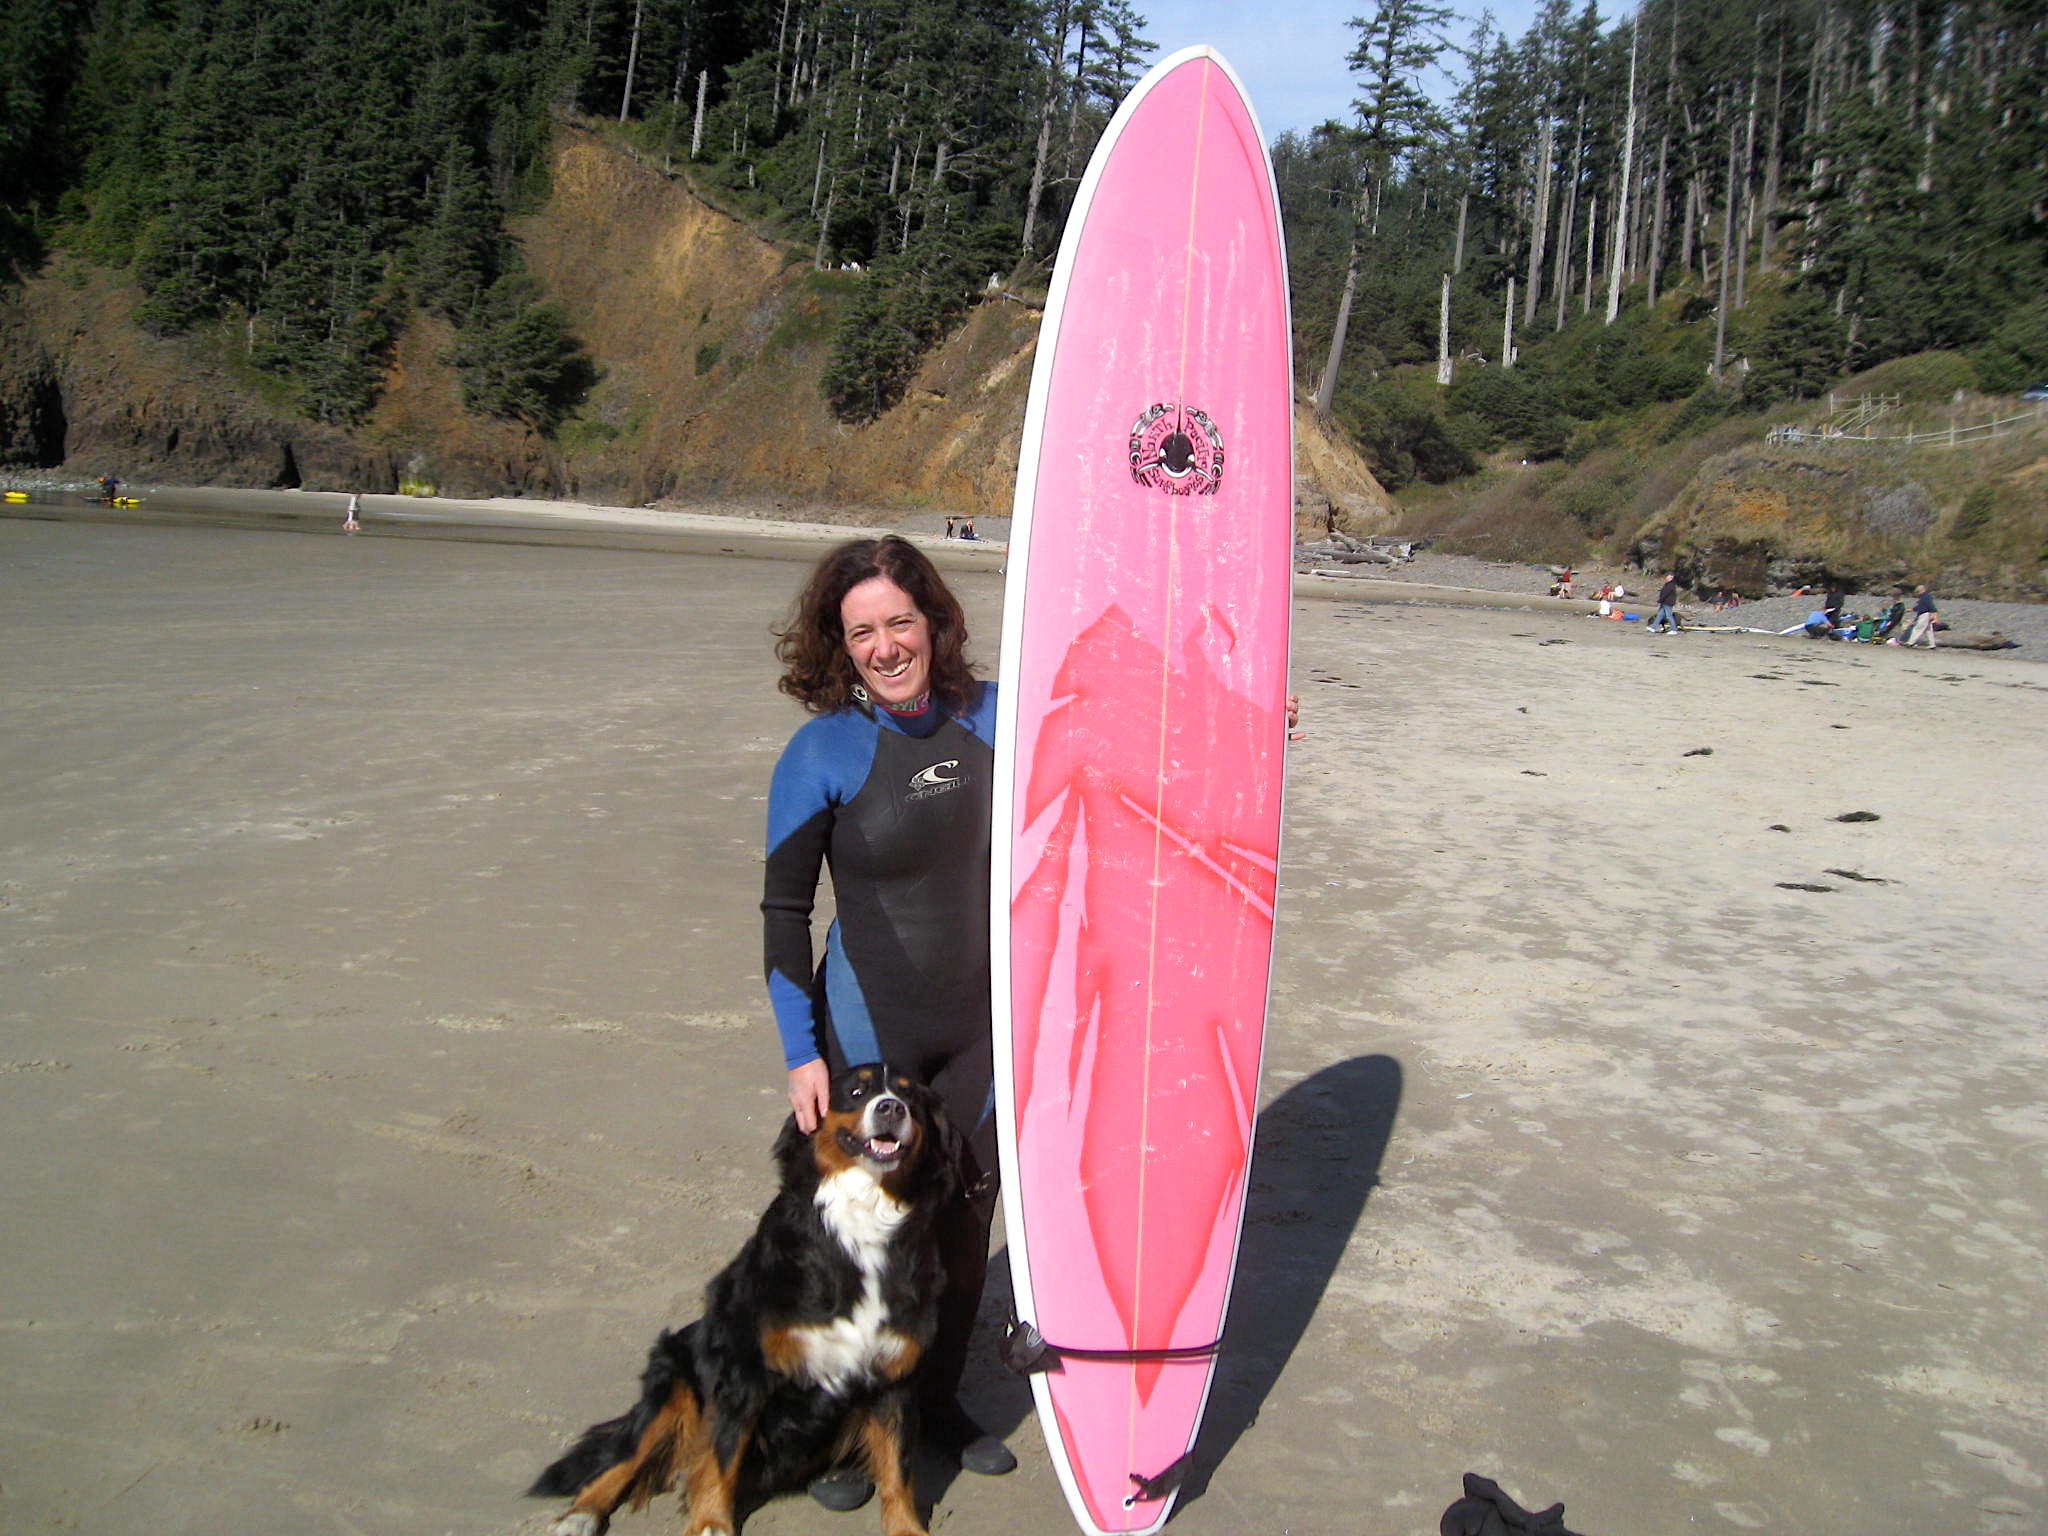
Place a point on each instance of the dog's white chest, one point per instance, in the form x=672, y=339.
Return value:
x=858, y=1347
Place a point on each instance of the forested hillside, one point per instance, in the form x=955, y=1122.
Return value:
x=1745, y=199
x=1610, y=244
x=294, y=179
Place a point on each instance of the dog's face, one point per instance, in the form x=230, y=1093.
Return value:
x=879, y=1120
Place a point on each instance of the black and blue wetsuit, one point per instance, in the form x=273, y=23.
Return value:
x=899, y=806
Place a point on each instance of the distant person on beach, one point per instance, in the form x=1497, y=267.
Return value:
x=348, y=520
x=1667, y=605
x=1925, y=617
x=1831, y=605
x=951, y=522
x=1888, y=626
x=110, y=488
x=967, y=531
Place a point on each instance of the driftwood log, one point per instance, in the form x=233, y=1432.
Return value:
x=1972, y=640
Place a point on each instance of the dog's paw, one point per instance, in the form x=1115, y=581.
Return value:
x=579, y=1522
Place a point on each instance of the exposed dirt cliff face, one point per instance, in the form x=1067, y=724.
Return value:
x=708, y=340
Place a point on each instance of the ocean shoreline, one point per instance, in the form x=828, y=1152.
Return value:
x=759, y=527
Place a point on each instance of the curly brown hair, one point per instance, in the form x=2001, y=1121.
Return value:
x=818, y=673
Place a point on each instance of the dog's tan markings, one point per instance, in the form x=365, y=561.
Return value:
x=882, y=1438
x=782, y=1350
x=899, y=1356
x=828, y=1145
x=674, y=1436
x=708, y=1497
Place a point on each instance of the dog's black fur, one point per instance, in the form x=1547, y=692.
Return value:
x=794, y=1365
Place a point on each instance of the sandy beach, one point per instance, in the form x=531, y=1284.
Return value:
x=383, y=1053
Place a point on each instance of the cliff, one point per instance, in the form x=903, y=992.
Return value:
x=708, y=342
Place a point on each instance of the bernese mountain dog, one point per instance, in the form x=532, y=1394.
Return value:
x=805, y=1354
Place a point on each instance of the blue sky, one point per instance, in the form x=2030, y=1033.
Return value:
x=1290, y=53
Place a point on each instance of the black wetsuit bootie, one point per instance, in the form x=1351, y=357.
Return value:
x=842, y=1490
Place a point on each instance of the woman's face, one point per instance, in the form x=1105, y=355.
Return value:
x=890, y=641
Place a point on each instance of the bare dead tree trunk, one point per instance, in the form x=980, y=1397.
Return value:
x=1727, y=240
x=1748, y=163
x=1443, y=335
x=1664, y=160
x=781, y=33
x=1592, y=226
x=632, y=61
x=825, y=223
x=1458, y=252
x=1695, y=202
x=1540, y=227
x=1038, y=172
x=1617, y=249
x=697, y=130
x=1507, y=328
x=1326, y=392
x=1817, y=104
x=1770, y=204
x=1567, y=218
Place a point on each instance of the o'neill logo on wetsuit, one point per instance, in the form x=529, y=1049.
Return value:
x=939, y=779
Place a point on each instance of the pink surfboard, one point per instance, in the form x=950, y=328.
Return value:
x=1140, y=746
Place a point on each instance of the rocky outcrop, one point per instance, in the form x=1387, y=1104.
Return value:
x=1764, y=518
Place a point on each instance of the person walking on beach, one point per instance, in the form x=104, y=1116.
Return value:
x=1667, y=605
x=1925, y=617
x=348, y=519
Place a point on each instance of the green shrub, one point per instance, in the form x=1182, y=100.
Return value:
x=2017, y=353
x=1977, y=511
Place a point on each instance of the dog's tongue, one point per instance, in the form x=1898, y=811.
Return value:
x=883, y=1147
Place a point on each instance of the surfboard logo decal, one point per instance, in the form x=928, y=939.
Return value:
x=1177, y=449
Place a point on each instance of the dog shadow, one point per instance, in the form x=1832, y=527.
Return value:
x=1316, y=1159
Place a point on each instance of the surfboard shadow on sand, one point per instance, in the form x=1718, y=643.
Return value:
x=1315, y=1161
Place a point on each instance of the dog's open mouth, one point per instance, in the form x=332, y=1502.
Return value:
x=884, y=1151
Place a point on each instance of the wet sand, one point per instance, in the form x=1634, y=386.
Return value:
x=383, y=1056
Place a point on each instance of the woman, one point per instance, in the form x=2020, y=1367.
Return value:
x=890, y=783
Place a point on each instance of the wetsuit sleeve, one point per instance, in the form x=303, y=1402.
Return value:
x=802, y=802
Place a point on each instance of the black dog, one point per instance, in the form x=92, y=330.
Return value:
x=809, y=1338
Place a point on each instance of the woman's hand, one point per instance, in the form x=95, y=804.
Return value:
x=810, y=1094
